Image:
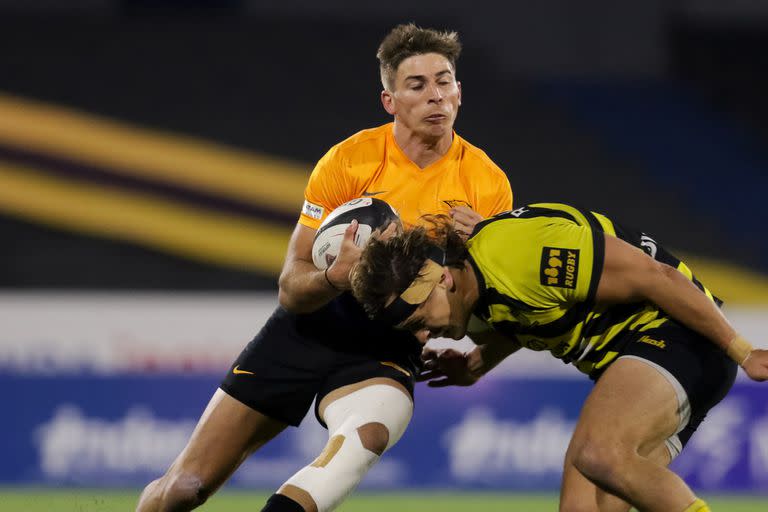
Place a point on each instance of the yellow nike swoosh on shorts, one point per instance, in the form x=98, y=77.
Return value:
x=396, y=367
x=237, y=371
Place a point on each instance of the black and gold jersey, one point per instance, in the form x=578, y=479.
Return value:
x=538, y=269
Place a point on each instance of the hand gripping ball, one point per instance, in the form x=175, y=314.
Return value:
x=370, y=213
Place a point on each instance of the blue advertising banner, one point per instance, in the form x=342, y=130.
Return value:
x=503, y=433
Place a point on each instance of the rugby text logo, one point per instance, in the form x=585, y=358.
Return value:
x=559, y=267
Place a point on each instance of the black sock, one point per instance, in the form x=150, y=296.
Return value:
x=280, y=503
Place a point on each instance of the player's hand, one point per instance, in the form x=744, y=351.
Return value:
x=388, y=233
x=465, y=219
x=349, y=255
x=449, y=367
x=756, y=365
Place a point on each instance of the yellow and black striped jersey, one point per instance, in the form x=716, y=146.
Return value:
x=538, y=269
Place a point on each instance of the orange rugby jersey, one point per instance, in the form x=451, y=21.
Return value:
x=370, y=163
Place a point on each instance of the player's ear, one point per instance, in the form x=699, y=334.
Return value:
x=447, y=279
x=388, y=101
x=458, y=84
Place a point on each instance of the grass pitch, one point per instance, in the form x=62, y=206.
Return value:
x=100, y=500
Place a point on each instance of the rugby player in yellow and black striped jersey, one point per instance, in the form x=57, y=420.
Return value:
x=542, y=292
x=610, y=300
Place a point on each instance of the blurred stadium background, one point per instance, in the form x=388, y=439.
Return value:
x=153, y=155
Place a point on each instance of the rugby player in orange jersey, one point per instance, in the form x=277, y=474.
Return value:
x=319, y=344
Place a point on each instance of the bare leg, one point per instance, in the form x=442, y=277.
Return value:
x=631, y=406
x=227, y=433
x=577, y=494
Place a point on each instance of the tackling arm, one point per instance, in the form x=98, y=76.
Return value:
x=449, y=367
x=494, y=348
x=629, y=275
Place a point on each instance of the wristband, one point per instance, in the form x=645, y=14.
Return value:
x=325, y=273
x=739, y=349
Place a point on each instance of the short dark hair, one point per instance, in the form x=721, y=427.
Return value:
x=407, y=40
x=388, y=267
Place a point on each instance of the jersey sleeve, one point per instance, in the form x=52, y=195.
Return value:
x=328, y=187
x=501, y=201
x=545, y=264
x=496, y=196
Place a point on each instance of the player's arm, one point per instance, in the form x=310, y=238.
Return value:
x=304, y=288
x=493, y=348
x=450, y=367
x=629, y=275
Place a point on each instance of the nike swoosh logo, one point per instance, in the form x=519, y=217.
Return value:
x=237, y=371
x=369, y=194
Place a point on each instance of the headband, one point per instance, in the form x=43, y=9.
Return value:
x=417, y=292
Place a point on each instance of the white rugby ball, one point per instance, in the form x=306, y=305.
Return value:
x=370, y=213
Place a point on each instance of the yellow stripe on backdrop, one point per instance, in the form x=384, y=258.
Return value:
x=190, y=232
x=198, y=234
x=153, y=155
x=733, y=284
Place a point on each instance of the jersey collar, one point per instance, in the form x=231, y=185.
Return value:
x=403, y=158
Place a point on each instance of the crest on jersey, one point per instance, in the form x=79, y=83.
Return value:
x=559, y=267
x=453, y=203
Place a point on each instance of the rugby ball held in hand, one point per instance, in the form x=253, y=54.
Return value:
x=370, y=213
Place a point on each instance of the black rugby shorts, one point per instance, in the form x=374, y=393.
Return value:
x=290, y=362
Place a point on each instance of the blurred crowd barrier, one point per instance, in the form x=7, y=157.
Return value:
x=105, y=390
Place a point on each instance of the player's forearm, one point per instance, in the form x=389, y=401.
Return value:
x=629, y=275
x=304, y=288
x=683, y=301
x=495, y=351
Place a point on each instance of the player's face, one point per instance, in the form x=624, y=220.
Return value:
x=442, y=315
x=426, y=96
